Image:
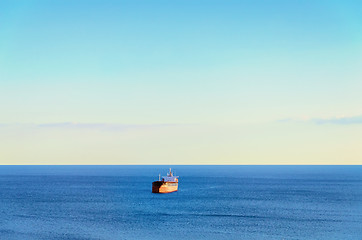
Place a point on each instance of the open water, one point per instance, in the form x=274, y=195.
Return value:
x=213, y=202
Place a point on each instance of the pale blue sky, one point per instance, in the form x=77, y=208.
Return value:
x=200, y=65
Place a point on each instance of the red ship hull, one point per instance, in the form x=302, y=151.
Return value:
x=164, y=187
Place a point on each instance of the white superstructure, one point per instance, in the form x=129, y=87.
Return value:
x=170, y=177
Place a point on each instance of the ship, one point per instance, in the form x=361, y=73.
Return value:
x=167, y=184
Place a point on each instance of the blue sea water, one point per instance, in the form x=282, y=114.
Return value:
x=213, y=202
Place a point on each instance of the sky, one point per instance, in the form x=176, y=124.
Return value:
x=180, y=82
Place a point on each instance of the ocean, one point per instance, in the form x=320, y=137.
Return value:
x=213, y=202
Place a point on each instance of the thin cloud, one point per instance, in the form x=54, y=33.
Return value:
x=333, y=120
x=341, y=120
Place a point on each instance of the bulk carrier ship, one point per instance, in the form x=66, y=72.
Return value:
x=168, y=184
